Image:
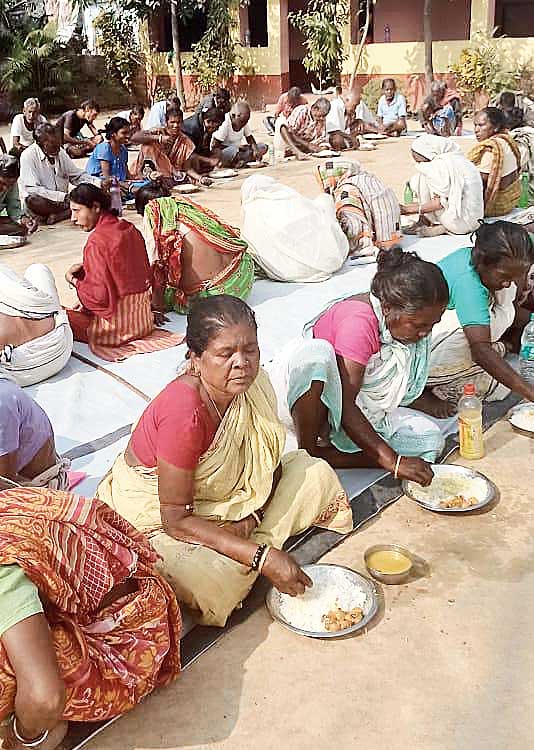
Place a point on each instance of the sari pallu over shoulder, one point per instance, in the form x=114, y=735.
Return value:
x=164, y=217
x=109, y=657
x=498, y=202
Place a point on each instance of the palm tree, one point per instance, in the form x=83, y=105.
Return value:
x=36, y=65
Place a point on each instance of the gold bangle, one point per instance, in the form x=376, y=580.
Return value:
x=263, y=558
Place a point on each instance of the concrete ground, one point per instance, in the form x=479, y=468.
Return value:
x=446, y=665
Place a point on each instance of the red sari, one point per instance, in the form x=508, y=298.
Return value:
x=115, y=291
x=76, y=551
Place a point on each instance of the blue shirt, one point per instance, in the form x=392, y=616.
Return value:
x=118, y=163
x=467, y=294
x=157, y=117
x=391, y=111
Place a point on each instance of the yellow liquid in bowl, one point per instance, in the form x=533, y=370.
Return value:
x=389, y=561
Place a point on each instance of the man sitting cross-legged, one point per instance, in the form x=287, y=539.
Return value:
x=45, y=173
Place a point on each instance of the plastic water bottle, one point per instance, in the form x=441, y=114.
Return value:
x=408, y=194
x=526, y=353
x=272, y=155
x=524, y=197
x=387, y=33
x=115, y=195
x=470, y=424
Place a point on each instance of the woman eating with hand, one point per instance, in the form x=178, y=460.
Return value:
x=88, y=628
x=363, y=358
x=113, y=283
x=170, y=150
x=204, y=474
x=483, y=282
x=192, y=251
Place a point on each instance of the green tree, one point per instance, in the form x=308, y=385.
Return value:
x=117, y=43
x=37, y=63
x=215, y=57
x=321, y=25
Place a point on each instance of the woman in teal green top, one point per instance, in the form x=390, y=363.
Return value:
x=466, y=344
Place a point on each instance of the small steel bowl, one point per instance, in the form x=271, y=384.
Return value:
x=390, y=578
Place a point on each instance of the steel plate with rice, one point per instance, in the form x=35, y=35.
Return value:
x=326, y=153
x=375, y=136
x=522, y=417
x=338, y=595
x=186, y=188
x=223, y=174
x=454, y=489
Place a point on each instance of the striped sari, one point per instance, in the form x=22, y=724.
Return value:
x=367, y=211
x=498, y=202
x=77, y=551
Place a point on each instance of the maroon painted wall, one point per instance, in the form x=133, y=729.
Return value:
x=450, y=20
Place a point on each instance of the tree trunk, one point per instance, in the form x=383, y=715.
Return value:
x=363, y=37
x=176, y=52
x=427, y=31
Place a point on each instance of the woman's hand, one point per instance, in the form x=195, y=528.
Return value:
x=285, y=574
x=407, y=209
x=415, y=470
x=206, y=181
x=242, y=528
x=74, y=274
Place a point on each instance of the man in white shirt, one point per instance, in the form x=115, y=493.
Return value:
x=24, y=124
x=157, y=117
x=227, y=142
x=45, y=174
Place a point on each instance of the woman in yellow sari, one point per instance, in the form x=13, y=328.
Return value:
x=499, y=162
x=204, y=475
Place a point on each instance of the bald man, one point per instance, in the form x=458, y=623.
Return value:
x=305, y=130
x=233, y=143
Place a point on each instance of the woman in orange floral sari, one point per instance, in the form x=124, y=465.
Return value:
x=169, y=150
x=87, y=627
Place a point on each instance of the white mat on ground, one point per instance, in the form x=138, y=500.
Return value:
x=86, y=404
x=281, y=311
x=83, y=404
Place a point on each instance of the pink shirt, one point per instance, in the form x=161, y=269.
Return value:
x=352, y=328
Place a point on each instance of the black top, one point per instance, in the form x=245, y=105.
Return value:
x=71, y=122
x=208, y=102
x=193, y=127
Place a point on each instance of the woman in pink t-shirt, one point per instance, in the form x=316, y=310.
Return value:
x=369, y=356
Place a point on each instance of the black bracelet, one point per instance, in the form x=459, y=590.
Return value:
x=257, y=556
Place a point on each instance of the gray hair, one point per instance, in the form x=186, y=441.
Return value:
x=322, y=104
x=240, y=107
x=32, y=101
x=44, y=131
x=9, y=167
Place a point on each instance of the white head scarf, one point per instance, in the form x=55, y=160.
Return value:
x=18, y=298
x=431, y=146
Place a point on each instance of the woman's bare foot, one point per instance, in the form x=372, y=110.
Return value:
x=436, y=407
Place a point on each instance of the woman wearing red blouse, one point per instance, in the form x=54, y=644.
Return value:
x=205, y=475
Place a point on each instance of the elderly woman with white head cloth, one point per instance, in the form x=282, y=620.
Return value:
x=448, y=191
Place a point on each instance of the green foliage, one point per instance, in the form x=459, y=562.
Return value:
x=117, y=43
x=484, y=66
x=215, y=57
x=37, y=64
x=371, y=93
x=321, y=25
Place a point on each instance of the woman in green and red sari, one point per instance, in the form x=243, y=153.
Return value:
x=192, y=251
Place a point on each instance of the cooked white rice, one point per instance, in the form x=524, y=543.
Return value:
x=524, y=419
x=332, y=587
x=446, y=486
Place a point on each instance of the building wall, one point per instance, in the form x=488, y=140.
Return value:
x=450, y=20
